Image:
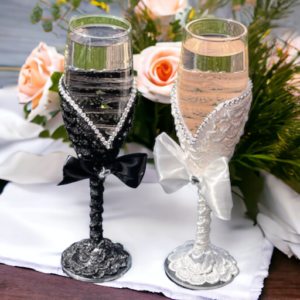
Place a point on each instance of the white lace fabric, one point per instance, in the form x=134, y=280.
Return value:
x=199, y=262
x=219, y=132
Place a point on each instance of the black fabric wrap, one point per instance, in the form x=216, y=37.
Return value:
x=130, y=169
x=93, y=156
x=84, y=140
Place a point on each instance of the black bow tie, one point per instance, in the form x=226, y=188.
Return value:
x=130, y=169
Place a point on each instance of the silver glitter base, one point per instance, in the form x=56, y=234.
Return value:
x=97, y=263
x=214, y=269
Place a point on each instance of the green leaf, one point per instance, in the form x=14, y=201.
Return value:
x=44, y=134
x=40, y=120
x=99, y=92
x=251, y=185
x=175, y=31
x=165, y=122
x=27, y=109
x=212, y=5
x=54, y=113
x=36, y=14
x=75, y=3
x=151, y=119
x=238, y=2
x=150, y=161
x=47, y=25
x=55, y=11
x=145, y=30
x=55, y=77
x=134, y=3
x=233, y=174
x=271, y=139
x=144, y=124
x=60, y=133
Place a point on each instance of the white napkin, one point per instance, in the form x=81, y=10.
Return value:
x=37, y=222
x=13, y=127
x=279, y=216
x=25, y=158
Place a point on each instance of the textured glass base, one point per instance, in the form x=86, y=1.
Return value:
x=194, y=269
x=95, y=262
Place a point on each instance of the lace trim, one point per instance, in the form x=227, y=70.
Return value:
x=199, y=262
x=190, y=139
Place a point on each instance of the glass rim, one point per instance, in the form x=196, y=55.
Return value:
x=210, y=39
x=117, y=35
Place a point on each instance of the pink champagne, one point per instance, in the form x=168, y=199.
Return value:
x=211, y=71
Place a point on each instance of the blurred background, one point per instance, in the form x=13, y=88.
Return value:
x=18, y=36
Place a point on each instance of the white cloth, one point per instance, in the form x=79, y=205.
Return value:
x=42, y=163
x=175, y=170
x=13, y=127
x=25, y=158
x=37, y=222
x=279, y=216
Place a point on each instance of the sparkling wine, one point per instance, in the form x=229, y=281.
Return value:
x=99, y=73
x=210, y=73
x=102, y=95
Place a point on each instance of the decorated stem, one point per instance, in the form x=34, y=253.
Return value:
x=202, y=242
x=96, y=205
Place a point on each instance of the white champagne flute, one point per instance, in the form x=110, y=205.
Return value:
x=210, y=103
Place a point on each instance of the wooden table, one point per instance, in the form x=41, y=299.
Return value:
x=283, y=283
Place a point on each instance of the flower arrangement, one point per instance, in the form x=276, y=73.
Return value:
x=35, y=82
x=37, y=89
x=271, y=141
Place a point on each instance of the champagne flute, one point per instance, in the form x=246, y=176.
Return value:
x=98, y=94
x=98, y=68
x=210, y=102
x=213, y=67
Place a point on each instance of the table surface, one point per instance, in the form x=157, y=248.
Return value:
x=283, y=283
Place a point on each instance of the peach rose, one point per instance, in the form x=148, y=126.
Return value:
x=36, y=72
x=157, y=70
x=161, y=8
x=49, y=102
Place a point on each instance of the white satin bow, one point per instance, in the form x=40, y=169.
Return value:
x=174, y=171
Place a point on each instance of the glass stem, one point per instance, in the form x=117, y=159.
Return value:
x=202, y=242
x=96, y=205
